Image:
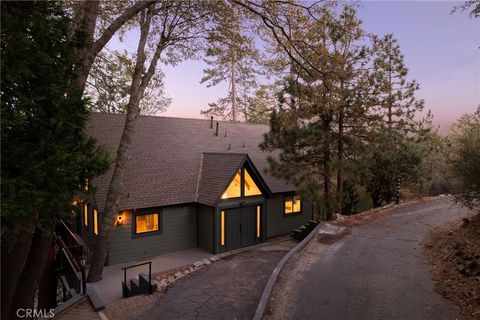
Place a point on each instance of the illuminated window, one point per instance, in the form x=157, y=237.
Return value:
x=234, y=189
x=222, y=228
x=258, y=221
x=297, y=205
x=292, y=204
x=251, y=188
x=85, y=214
x=95, y=221
x=146, y=223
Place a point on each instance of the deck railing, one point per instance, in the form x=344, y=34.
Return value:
x=71, y=254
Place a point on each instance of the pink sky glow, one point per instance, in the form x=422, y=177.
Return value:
x=441, y=52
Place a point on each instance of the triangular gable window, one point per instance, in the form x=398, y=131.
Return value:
x=242, y=185
x=251, y=188
x=234, y=190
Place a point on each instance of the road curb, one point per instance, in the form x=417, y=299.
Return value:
x=262, y=304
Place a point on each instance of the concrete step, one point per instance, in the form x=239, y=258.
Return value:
x=135, y=287
x=126, y=292
x=143, y=277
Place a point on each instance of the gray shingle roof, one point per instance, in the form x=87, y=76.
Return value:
x=216, y=171
x=165, y=161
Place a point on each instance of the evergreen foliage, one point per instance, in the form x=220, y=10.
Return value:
x=395, y=160
x=465, y=159
x=349, y=114
x=45, y=155
x=231, y=57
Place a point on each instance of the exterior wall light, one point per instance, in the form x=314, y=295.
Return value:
x=119, y=219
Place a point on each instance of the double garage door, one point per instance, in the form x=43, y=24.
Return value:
x=242, y=227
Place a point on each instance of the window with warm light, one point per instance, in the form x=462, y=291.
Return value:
x=234, y=189
x=222, y=228
x=242, y=185
x=293, y=204
x=258, y=221
x=250, y=188
x=95, y=221
x=85, y=214
x=146, y=223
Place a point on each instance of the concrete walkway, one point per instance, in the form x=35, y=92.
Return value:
x=109, y=289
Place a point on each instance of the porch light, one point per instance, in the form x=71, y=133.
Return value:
x=119, y=219
x=83, y=261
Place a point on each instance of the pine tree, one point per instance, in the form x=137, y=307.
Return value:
x=392, y=123
x=261, y=105
x=310, y=125
x=395, y=95
x=231, y=57
x=45, y=155
x=465, y=159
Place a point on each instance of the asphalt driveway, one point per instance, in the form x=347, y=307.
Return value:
x=227, y=289
x=379, y=272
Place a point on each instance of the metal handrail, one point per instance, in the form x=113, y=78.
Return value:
x=138, y=265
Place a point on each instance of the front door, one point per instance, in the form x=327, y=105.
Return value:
x=249, y=225
x=233, y=232
x=241, y=226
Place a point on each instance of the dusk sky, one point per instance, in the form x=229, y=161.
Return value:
x=441, y=52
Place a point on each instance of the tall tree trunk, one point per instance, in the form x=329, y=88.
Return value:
x=327, y=185
x=32, y=272
x=47, y=289
x=390, y=97
x=112, y=204
x=85, y=20
x=15, y=250
x=16, y=246
x=234, y=89
x=340, y=162
x=327, y=170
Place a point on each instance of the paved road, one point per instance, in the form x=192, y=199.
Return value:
x=227, y=289
x=379, y=272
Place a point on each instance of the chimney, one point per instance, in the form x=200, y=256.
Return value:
x=216, y=129
x=211, y=122
x=229, y=148
x=225, y=132
x=243, y=146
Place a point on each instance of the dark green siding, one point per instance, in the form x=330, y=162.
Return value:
x=179, y=232
x=278, y=223
x=205, y=227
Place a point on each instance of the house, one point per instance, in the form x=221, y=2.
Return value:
x=189, y=183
